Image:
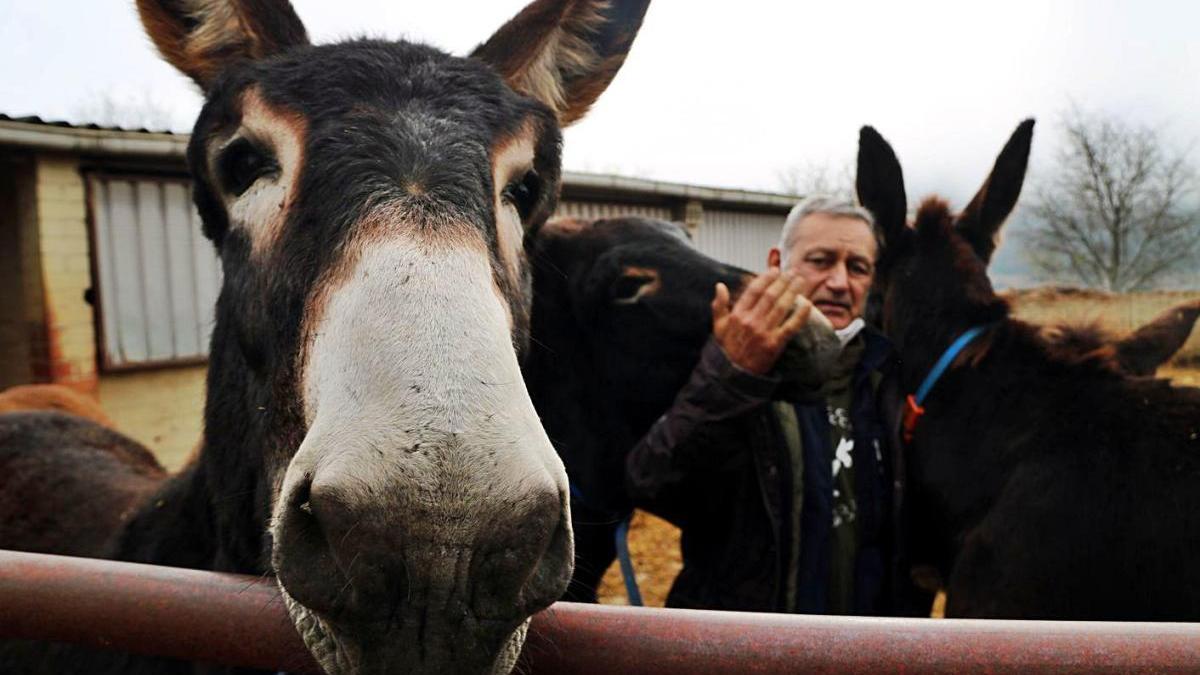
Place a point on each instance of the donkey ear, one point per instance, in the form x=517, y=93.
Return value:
x=202, y=37
x=980, y=222
x=1152, y=345
x=564, y=53
x=880, y=184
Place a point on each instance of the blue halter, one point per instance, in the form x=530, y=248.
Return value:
x=912, y=409
x=621, y=537
x=947, y=358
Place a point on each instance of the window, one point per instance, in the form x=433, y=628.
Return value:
x=158, y=277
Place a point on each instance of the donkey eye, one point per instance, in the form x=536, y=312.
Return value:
x=628, y=289
x=242, y=164
x=523, y=193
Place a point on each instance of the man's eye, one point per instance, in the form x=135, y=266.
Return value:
x=241, y=165
x=523, y=193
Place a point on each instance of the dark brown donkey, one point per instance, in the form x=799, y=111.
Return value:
x=621, y=310
x=368, y=438
x=1047, y=485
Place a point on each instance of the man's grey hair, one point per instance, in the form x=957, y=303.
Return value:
x=824, y=205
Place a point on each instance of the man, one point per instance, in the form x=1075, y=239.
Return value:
x=784, y=496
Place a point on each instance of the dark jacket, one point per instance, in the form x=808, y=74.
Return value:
x=718, y=466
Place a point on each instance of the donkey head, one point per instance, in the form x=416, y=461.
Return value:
x=621, y=310
x=935, y=272
x=369, y=201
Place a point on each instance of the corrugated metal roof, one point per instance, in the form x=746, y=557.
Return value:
x=34, y=119
x=118, y=141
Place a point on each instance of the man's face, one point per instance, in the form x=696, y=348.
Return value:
x=834, y=257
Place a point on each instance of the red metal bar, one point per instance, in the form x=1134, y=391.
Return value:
x=583, y=639
x=240, y=621
x=228, y=619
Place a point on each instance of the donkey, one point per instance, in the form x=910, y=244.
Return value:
x=51, y=464
x=622, y=308
x=1048, y=486
x=368, y=438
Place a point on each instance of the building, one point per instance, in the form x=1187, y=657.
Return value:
x=106, y=283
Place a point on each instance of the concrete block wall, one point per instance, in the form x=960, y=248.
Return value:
x=161, y=408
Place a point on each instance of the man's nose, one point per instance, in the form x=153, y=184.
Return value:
x=838, y=278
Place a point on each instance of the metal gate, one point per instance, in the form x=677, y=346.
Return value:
x=241, y=621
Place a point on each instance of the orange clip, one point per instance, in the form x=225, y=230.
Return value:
x=912, y=413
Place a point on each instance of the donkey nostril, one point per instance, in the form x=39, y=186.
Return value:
x=302, y=495
x=303, y=560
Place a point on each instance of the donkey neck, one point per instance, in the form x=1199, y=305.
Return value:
x=213, y=513
x=251, y=414
x=923, y=342
x=171, y=527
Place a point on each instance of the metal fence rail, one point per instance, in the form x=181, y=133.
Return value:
x=238, y=620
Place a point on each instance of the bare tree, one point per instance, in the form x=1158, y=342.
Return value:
x=1117, y=212
x=815, y=178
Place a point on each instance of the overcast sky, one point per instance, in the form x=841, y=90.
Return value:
x=728, y=93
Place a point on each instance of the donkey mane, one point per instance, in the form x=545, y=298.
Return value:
x=1079, y=350
x=934, y=223
x=1085, y=343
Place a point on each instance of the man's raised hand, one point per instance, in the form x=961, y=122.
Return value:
x=754, y=330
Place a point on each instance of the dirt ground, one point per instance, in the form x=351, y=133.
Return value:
x=654, y=548
x=654, y=543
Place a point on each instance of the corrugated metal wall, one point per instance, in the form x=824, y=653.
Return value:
x=739, y=237
x=158, y=276
x=578, y=209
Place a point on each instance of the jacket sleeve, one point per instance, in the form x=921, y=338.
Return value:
x=698, y=431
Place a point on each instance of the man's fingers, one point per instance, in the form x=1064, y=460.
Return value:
x=755, y=288
x=770, y=295
x=797, y=320
x=784, y=304
x=720, y=303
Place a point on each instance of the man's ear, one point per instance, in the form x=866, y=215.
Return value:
x=880, y=184
x=202, y=37
x=564, y=53
x=980, y=222
x=773, y=257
